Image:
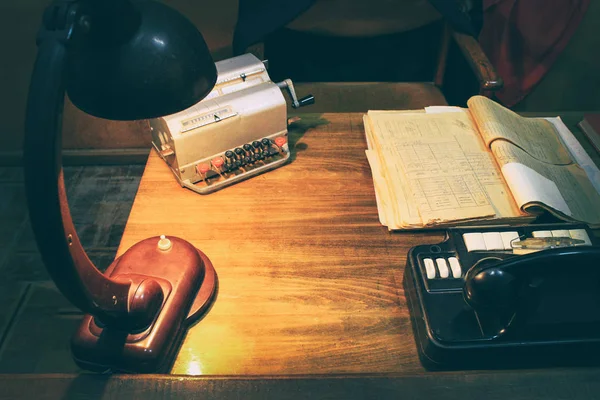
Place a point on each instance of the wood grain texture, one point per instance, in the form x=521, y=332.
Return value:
x=486, y=74
x=574, y=384
x=344, y=97
x=309, y=280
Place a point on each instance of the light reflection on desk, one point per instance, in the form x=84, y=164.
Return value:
x=194, y=368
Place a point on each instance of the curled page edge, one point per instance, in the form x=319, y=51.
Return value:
x=526, y=179
x=577, y=151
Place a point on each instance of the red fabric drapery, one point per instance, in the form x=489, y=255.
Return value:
x=523, y=39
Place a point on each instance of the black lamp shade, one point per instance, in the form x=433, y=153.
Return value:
x=160, y=68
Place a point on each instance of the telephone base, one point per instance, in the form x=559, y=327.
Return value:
x=437, y=356
x=560, y=329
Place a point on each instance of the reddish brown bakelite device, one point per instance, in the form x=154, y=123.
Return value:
x=121, y=60
x=140, y=308
x=170, y=289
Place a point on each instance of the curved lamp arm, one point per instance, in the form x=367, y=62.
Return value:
x=68, y=264
x=124, y=60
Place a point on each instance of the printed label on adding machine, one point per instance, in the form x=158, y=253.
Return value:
x=205, y=119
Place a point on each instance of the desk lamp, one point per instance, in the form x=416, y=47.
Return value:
x=120, y=60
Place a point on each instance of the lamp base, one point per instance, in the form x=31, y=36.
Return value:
x=189, y=284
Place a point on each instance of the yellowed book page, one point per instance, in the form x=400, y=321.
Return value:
x=377, y=184
x=385, y=208
x=536, y=136
x=399, y=208
x=447, y=168
x=407, y=213
x=564, y=190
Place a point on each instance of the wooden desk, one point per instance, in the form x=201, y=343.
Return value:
x=309, y=280
x=310, y=293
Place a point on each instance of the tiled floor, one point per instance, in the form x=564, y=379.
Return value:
x=36, y=321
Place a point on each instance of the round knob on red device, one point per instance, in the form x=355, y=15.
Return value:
x=217, y=162
x=203, y=168
x=280, y=141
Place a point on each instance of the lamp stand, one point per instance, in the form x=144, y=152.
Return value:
x=140, y=308
x=187, y=278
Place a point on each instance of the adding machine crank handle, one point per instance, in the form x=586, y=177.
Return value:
x=305, y=101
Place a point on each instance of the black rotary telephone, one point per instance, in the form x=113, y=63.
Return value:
x=496, y=297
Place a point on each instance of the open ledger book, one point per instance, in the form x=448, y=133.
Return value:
x=486, y=164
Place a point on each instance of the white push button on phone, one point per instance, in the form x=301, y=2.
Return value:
x=455, y=267
x=542, y=234
x=561, y=233
x=429, y=268
x=442, y=267
x=474, y=241
x=493, y=241
x=580, y=234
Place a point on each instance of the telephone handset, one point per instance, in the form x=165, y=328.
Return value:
x=476, y=302
x=496, y=289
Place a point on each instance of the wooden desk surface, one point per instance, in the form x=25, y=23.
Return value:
x=309, y=280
